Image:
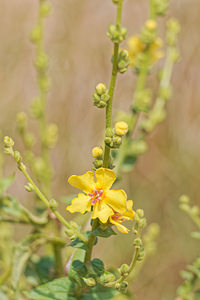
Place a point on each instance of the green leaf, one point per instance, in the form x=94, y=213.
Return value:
x=21, y=256
x=100, y=293
x=79, y=267
x=10, y=206
x=98, y=266
x=57, y=289
x=104, y=233
x=5, y=182
x=77, y=243
x=41, y=271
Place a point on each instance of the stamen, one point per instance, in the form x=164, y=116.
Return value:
x=96, y=196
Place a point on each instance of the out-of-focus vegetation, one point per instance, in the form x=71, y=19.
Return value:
x=79, y=54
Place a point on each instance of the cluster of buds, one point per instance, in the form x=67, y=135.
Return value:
x=142, y=100
x=160, y=7
x=101, y=95
x=8, y=149
x=173, y=28
x=149, y=32
x=51, y=135
x=97, y=153
x=123, y=61
x=140, y=223
x=114, y=136
x=117, y=33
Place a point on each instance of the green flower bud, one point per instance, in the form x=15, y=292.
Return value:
x=109, y=132
x=42, y=62
x=8, y=141
x=137, y=243
x=90, y=281
x=44, y=83
x=36, y=34
x=21, y=167
x=74, y=225
x=45, y=10
x=29, y=187
x=142, y=223
x=37, y=108
x=115, y=1
x=98, y=163
x=174, y=55
x=108, y=140
x=117, y=34
x=117, y=286
x=17, y=156
x=124, y=269
x=184, y=199
x=21, y=121
x=140, y=213
x=165, y=93
x=142, y=100
x=161, y=6
x=101, y=89
x=108, y=277
x=51, y=135
x=117, y=140
x=123, y=61
x=53, y=204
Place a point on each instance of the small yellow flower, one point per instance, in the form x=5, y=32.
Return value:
x=121, y=128
x=135, y=46
x=118, y=218
x=151, y=24
x=97, y=196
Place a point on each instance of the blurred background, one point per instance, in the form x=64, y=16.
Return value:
x=80, y=53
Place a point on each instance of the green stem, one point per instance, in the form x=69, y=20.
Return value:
x=91, y=241
x=58, y=260
x=152, y=10
x=112, y=86
x=46, y=202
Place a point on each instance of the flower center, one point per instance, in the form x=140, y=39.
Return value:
x=96, y=196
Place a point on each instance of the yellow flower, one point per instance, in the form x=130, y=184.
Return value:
x=135, y=46
x=118, y=218
x=121, y=128
x=97, y=195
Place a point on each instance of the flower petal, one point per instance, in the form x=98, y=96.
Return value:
x=130, y=213
x=105, y=178
x=83, y=182
x=116, y=199
x=120, y=227
x=102, y=212
x=80, y=204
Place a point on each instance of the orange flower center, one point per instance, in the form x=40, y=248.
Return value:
x=96, y=196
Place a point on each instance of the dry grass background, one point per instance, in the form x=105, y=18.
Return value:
x=80, y=57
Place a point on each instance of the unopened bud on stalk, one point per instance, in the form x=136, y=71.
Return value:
x=184, y=199
x=98, y=163
x=36, y=34
x=137, y=243
x=97, y=152
x=17, y=156
x=8, y=141
x=121, y=128
x=29, y=187
x=90, y=281
x=140, y=212
x=45, y=10
x=124, y=269
x=21, y=121
x=151, y=24
x=53, y=204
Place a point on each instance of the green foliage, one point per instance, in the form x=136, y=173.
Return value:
x=98, y=266
x=5, y=182
x=57, y=289
x=104, y=233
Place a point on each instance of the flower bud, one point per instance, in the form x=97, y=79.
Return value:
x=29, y=187
x=109, y=132
x=53, y=204
x=8, y=141
x=100, y=89
x=117, y=140
x=121, y=128
x=21, y=121
x=151, y=24
x=97, y=152
x=98, y=163
x=17, y=156
x=124, y=269
x=140, y=213
x=42, y=62
x=90, y=281
x=184, y=199
x=137, y=243
x=44, y=83
x=21, y=167
x=36, y=34
x=45, y=10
